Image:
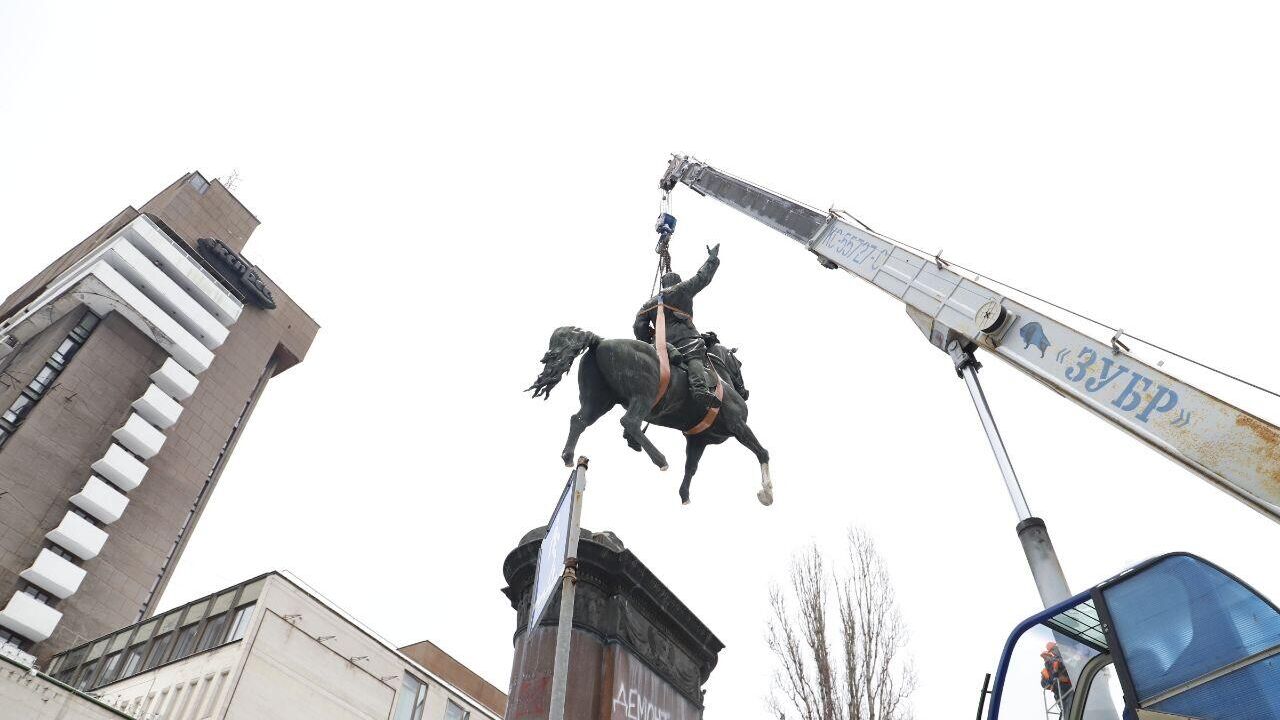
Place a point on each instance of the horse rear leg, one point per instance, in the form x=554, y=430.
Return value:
x=637, y=410
x=692, y=455
x=748, y=440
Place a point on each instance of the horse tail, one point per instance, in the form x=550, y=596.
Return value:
x=567, y=343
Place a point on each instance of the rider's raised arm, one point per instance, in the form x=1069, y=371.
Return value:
x=695, y=284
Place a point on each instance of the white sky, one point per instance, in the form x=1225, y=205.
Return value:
x=441, y=188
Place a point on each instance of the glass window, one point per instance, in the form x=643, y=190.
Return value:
x=1181, y=619
x=144, y=632
x=223, y=603
x=195, y=612
x=240, y=623
x=118, y=642
x=411, y=700
x=454, y=711
x=212, y=634
x=186, y=641
x=86, y=675
x=62, y=553
x=159, y=649
x=37, y=593
x=169, y=622
x=65, y=351
x=96, y=651
x=109, y=667
x=43, y=379
x=18, y=409
x=1042, y=673
x=1250, y=692
x=132, y=660
x=252, y=591
x=88, y=322
x=71, y=662
x=1105, y=698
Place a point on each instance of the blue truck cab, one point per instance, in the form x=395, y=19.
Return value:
x=1174, y=637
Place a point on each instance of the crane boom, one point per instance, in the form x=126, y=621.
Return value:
x=1231, y=448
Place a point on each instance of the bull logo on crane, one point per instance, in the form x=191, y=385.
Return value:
x=1033, y=334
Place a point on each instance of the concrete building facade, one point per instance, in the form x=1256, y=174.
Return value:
x=128, y=369
x=269, y=647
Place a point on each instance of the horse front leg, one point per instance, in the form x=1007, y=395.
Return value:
x=595, y=400
x=591, y=411
x=692, y=455
x=748, y=440
x=631, y=421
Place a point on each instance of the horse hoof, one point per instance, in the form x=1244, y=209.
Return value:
x=663, y=468
x=765, y=497
x=684, y=502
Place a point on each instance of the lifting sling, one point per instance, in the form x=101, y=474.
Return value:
x=666, y=226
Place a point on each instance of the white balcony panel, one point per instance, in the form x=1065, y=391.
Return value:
x=54, y=574
x=79, y=536
x=140, y=437
x=158, y=408
x=164, y=292
x=177, y=263
x=121, y=468
x=147, y=317
x=174, y=380
x=101, y=500
x=29, y=617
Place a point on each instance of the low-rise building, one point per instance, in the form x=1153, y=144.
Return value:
x=269, y=647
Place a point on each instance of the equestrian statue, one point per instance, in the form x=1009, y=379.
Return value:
x=670, y=375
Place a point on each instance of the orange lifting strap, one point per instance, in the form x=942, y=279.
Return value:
x=710, y=417
x=664, y=365
x=660, y=344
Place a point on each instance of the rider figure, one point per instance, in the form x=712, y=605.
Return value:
x=676, y=299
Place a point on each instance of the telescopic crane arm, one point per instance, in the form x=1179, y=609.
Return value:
x=1231, y=448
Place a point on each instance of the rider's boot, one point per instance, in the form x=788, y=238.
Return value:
x=700, y=383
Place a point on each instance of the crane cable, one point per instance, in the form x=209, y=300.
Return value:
x=666, y=226
x=978, y=275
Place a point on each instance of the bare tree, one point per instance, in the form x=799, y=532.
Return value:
x=838, y=635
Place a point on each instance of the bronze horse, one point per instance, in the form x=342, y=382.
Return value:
x=625, y=372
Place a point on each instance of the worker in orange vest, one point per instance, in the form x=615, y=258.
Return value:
x=1054, y=676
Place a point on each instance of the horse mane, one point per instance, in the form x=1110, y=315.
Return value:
x=567, y=343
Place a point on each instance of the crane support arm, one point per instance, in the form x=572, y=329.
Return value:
x=1231, y=448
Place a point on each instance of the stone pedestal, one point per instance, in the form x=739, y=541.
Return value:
x=638, y=652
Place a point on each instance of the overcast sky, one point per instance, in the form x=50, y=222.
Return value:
x=441, y=188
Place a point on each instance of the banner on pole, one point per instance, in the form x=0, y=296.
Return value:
x=552, y=554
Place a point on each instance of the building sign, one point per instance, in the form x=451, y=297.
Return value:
x=551, y=556
x=638, y=693
x=232, y=265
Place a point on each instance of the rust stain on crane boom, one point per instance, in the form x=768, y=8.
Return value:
x=1270, y=453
